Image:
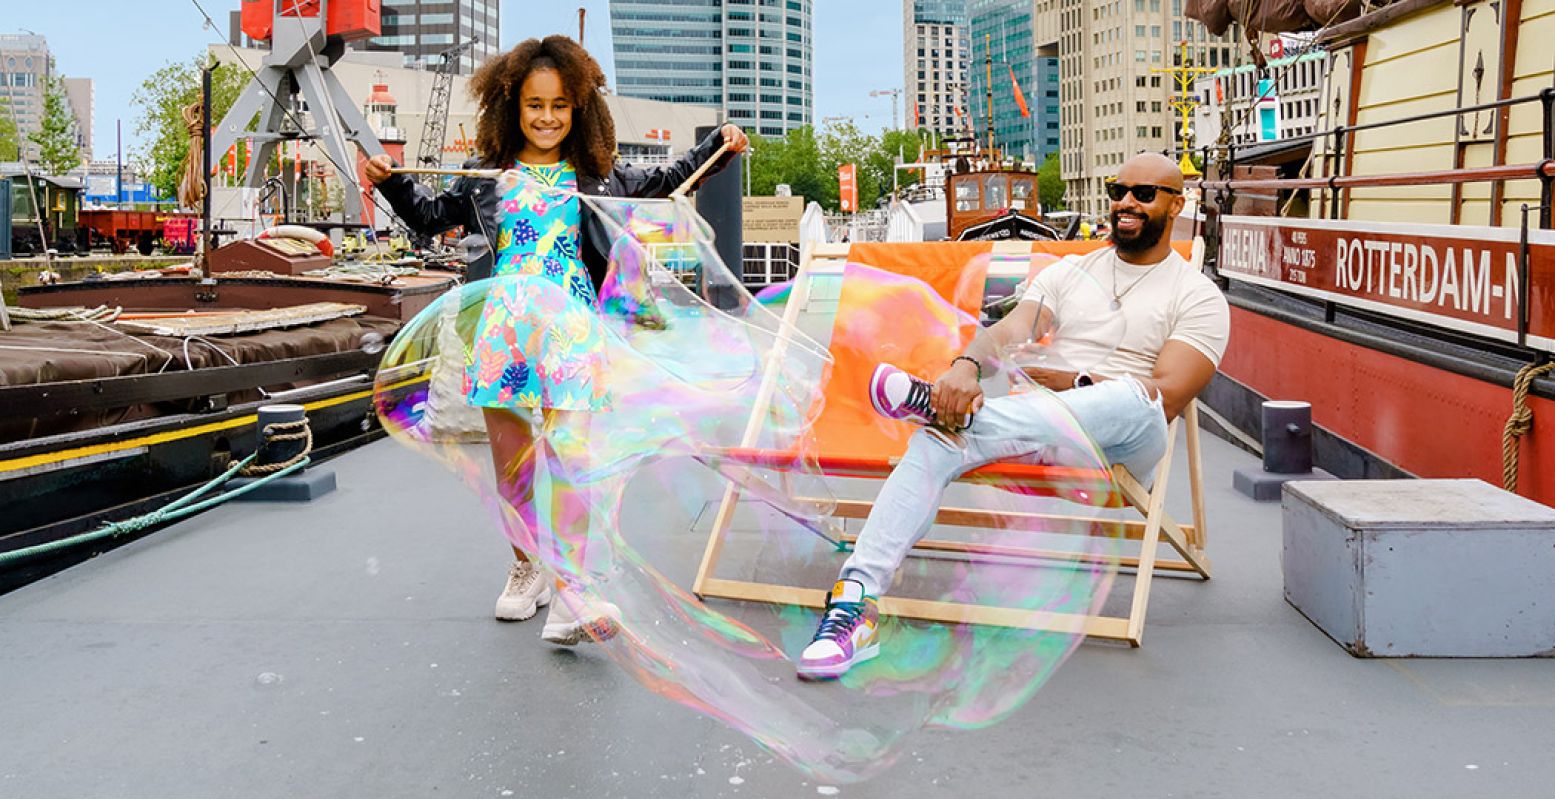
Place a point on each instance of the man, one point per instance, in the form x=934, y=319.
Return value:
x=1177, y=325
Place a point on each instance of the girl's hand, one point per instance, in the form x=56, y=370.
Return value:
x=507, y=180
x=736, y=139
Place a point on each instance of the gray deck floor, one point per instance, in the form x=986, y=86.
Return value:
x=347, y=649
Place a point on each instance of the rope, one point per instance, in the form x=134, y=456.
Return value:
x=1520, y=423
x=186, y=505
x=191, y=187
x=283, y=431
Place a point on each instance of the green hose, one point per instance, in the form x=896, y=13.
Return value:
x=177, y=509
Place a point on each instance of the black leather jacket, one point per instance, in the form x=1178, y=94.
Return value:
x=471, y=203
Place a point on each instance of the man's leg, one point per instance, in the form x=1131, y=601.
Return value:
x=1125, y=423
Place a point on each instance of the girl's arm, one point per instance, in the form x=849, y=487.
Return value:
x=420, y=209
x=659, y=181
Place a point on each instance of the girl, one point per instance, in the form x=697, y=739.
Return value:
x=543, y=119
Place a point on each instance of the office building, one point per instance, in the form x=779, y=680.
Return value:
x=421, y=30
x=83, y=100
x=750, y=58
x=934, y=60
x=1282, y=105
x=26, y=70
x=1112, y=102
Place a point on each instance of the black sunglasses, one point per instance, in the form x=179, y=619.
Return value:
x=1144, y=192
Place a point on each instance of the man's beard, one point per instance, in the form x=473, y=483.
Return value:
x=1150, y=232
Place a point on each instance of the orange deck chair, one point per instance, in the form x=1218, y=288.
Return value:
x=851, y=447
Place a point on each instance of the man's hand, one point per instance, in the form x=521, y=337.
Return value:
x=957, y=394
x=736, y=139
x=1051, y=379
x=378, y=168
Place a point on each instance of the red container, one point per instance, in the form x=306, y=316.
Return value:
x=348, y=19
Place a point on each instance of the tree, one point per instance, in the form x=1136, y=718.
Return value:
x=56, y=133
x=162, y=98
x=844, y=143
x=10, y=145
x=795, y=159
x=1050, y=184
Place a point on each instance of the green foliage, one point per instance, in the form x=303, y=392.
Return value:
x=161, y=99
x=1050, y=184
x=808, y=163
x=56, y=134
x=10, y=145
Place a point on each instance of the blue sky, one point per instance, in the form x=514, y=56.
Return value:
x=858, y=46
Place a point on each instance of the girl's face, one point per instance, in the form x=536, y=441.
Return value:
x=545, y=116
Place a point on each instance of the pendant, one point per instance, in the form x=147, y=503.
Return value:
x=1117, y=304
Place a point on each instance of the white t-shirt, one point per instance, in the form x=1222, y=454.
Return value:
x=1166, y=301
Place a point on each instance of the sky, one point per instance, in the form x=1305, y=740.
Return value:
x=858, y=48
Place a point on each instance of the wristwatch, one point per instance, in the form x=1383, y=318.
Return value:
x=1082, y=379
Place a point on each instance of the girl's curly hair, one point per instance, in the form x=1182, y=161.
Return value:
x=591, y=144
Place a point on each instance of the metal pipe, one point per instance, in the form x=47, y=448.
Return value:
x=1540, y=170
x=1522, y=281
x=205, y=174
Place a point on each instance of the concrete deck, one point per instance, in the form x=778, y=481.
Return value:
x=346, y=648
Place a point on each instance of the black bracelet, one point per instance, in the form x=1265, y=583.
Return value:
x=971, y=360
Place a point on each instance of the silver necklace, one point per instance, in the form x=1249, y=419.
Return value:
x=1117, y=296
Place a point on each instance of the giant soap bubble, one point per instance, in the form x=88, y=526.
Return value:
x=718, y=411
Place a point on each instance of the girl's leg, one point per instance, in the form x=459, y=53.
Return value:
x=512, y=444
x=568, y=518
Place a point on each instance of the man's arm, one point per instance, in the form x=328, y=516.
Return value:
x=1180, y=373
x=957, y=391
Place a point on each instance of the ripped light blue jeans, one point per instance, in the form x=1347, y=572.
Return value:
x=1128, y=426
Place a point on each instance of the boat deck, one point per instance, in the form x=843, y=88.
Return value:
x=346, y=648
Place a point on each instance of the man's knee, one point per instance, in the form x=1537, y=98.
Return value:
x=931, y=451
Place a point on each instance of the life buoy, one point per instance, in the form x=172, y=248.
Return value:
x=307, y=234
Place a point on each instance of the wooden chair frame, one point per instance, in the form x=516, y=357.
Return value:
x=1187, y=540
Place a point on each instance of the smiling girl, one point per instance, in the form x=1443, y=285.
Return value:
x=544, y=121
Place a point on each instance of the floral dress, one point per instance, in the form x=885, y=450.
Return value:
x=537, y=347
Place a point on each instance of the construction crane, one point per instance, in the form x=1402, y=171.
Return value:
x=435, y=128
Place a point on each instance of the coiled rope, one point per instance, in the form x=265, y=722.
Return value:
x=283, y=431
x=191, y=187
x=1520, y=423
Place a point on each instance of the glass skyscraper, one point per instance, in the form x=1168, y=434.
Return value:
x=1007, y=29
x=752, y=58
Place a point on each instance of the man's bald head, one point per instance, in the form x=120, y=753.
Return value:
x=1152, y=168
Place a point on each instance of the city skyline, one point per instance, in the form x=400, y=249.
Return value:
x=88, y=39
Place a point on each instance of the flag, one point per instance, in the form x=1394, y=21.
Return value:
x=1020, y=99
x=847, y=185
x=917, y=121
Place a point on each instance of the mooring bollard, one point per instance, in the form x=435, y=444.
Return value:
x=1287, y=437
x=1287, y=451
x=283, y=436
x=283, y=440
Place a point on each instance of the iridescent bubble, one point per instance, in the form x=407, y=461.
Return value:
x=704, y=408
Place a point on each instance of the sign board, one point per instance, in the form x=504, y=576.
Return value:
x=847, y=185
x=1268, y=111
x=1456, y=277
x=772, y=219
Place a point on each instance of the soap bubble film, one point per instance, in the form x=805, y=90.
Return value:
x=721, y=411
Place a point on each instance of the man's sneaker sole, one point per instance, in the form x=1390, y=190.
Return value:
x=574, y=633
x=524, y=614
x=875, y=380
x=832, y=671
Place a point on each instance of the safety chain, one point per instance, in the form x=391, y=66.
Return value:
x=283, y=431
x=1520, y=423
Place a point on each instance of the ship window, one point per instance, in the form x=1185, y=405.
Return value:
x=967, y=196
x=995, y=192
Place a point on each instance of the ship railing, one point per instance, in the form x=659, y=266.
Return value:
x=1337, y=183
x=1337, y=186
